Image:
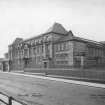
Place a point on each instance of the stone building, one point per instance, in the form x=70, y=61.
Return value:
x=4, y=65
x=56, y=48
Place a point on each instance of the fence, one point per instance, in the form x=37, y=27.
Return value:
x=8, y=100
x=82, y=73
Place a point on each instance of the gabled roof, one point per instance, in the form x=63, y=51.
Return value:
x=57, y=28
x=18, y=40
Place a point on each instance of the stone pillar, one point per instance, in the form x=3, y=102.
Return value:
x=8, y=66
x=44, y=50
x=28, y=52
x=51, y=52
x=82, y=61
x=2, y=66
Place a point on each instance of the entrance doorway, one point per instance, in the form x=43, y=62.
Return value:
x=45, y=64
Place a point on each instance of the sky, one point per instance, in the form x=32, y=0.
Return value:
x=28, y=18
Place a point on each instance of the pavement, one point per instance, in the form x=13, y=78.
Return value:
x=41, y=90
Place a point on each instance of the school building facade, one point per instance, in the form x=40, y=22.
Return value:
x=56, y=48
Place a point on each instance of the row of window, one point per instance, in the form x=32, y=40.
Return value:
x=61, y=56
x=29, y=52
x=62, y=62
x=37, y=60
x=40, y=40
x=36, y=50
x=62, y=46
x=95, y=51
x=33, y=42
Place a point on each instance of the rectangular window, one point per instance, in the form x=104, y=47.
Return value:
x=56, y=47
x=61, y=46
x=26, y=52
x=90, y=51
x=31, y=52
x=66, y=45
x=61, y=56
x=35, y=60
x=62, y=62
x=34, y=51
x=42, y=48
x=37, y=49
x=39, y=59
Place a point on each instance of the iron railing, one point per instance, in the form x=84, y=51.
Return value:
x=9, y=100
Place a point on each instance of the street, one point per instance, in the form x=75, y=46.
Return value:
x=37, y=91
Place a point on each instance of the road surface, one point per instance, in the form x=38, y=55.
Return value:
x=37, y=91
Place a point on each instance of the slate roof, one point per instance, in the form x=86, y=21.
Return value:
x=86, y=40
x=70, y=36
x=57, y=28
